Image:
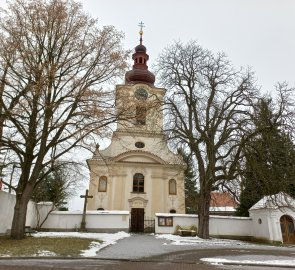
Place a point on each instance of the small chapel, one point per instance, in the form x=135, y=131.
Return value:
x=137, y=172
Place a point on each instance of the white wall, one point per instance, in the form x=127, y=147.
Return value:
x=219, y=225
x=7, y=203
x=104, y=221
x=110, y=221
x=230, y=226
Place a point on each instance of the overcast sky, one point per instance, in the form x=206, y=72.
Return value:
x=255, y=33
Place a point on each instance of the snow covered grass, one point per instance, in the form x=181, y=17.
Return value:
x=196, y=241
x=104, y=239
x=43, y=247
x=65, y=244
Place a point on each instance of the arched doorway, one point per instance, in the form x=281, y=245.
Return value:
x=287, y=228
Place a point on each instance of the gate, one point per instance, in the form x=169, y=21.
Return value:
x=149, y=225
x=140, y=224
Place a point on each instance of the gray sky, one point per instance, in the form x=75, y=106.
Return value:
x=255, y=33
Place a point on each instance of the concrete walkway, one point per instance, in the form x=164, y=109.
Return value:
x=139, y=246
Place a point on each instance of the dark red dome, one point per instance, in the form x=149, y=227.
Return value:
x=140, y=48
x=139, y=75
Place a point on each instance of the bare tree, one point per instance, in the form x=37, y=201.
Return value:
x=208, y=105
x=54, y=60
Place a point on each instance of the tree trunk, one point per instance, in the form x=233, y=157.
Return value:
x=19, y=217
x=204, y=204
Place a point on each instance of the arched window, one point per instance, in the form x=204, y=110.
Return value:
x=172, y=187
x=172, y=211
x=100, y=209
x=138, y=182
x=102, y=185
x=140, y=115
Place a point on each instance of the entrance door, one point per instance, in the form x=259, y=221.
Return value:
x=137, y=219
x=287, y=227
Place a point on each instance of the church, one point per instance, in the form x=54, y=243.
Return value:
x=137, y=172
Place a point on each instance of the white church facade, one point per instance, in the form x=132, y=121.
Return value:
x=137, y=172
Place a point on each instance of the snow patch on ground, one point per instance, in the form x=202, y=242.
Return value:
x=194, y=241
x=106, y=238
x=215, y=261
x=45, y=253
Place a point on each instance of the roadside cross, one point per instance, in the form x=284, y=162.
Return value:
x=86, y=196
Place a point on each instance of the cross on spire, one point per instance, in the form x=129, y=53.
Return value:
x=141, y=25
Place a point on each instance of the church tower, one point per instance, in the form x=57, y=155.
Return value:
x=137, y=172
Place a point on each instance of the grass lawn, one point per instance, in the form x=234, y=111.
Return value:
x=31, y=246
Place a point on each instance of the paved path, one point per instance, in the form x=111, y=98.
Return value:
x=138, y=246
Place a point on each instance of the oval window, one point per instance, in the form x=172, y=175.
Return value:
x=139, y=145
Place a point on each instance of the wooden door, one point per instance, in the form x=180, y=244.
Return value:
x=287, y=227
x=137, y=219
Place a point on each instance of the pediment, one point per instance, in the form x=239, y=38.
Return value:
x=138, y=156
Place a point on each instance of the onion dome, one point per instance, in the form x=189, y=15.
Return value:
x=140, y=72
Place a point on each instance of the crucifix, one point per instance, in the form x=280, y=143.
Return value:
x=141, y=25
x=86, y=196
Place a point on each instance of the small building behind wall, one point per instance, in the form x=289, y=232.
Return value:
x=274, y=218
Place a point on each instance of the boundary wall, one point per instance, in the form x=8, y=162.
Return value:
x=263, y=223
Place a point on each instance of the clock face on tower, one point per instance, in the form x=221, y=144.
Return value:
x=141, y=94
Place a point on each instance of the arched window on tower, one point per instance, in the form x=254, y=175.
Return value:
x=172, y=187
x=140, y=115
x=138, y=182
x=102, y=185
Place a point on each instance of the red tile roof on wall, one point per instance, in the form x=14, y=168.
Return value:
x=222, y=199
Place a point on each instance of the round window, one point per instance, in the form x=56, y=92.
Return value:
x=139, y=145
